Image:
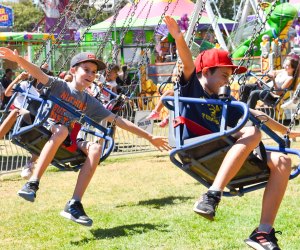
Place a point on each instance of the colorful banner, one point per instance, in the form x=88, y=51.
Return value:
x=6, y=16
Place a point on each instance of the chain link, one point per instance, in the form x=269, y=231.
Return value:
x=256, y=34
x=152, y=41
x=59, y=38
x=71, y=54
x=67, y=10
x=179, y=65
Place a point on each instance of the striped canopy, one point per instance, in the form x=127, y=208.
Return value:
x=177, y=9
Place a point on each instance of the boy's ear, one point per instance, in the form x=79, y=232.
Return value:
x=205, y=71
x=72, y=70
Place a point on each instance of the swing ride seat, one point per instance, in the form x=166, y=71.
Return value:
x=31, y=133
x=201, y=156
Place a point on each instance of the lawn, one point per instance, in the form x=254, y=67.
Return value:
x=138, y=201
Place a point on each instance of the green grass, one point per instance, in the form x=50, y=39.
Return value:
x=137, y=202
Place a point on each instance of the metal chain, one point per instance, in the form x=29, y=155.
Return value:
x=51, y=32
x=117, y=47
x=140, y=35
x=294, y=116
x=71, y=54
x=139, y=39
x=179, y=65
x=216, y=18
x=62, y=33
x=256, y=34
x=101, y=46
x=152, y=41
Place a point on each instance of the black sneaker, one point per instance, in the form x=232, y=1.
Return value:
x=75, y=212
x=206, y=206
x=28, y=191
x=263, y=241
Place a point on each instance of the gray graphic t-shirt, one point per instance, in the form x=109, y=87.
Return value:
x=89, y=105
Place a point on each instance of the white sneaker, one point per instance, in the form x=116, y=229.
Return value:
x=289, y=105
x=27, y=170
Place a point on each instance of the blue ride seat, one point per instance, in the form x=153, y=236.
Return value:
x=201, y=156
x=30, y=131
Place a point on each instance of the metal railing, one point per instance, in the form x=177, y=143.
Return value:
x=13, y=157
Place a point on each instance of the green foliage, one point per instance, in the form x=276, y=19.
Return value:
x=88, y=13
x=226, y=7
x=26, y=15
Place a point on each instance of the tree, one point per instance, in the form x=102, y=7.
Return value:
x=226, y=7
x=26, y=15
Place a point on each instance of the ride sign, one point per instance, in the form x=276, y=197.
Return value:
x=141, y=121
x=6, y=16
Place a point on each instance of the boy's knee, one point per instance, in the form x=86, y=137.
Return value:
x=95, y=150
x=60, y=132
x=283, y=163
x=254, y=133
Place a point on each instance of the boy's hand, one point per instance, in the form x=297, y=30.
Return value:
x=6, y=53
x=45, y=66
x=172, y=27
x=160, y=142
x=23, y=76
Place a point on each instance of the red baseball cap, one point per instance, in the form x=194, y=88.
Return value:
x=87, y=57
x=212, y=58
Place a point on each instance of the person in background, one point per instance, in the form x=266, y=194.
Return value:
x=5, y=81
x=24, y=82
x=280, y=80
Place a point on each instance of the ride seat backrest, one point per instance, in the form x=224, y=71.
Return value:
x=34, y=141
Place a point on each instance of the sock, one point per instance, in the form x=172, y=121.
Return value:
x=266, y=228
x=72, y=201
x=215, y=189
x=34, y=179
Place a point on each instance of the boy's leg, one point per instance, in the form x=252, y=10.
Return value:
x=155, y=112
x=280, y=169
x=245, y=90
x=253, y=98
x=74, y=209
x=59, y=134
x=27, y=170
x=8, y=122
x=248, y=140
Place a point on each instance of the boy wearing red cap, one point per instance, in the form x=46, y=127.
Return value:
x=202, y=79
x=84, y=67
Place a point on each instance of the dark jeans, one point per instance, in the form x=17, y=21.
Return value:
x=245, y=91
x=250, y=94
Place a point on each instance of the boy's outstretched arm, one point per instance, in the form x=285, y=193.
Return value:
x=9, y=90
x=32, y=69
x=272, y=124
x=159, y=142
x=183, y=50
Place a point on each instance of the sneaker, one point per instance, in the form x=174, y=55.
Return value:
x=261, y=240
x=206, y=206
x=74, y=211
x=27, y=170
x=28, y=191
x=164, y=122
x=153, y=115
x=289, y=105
